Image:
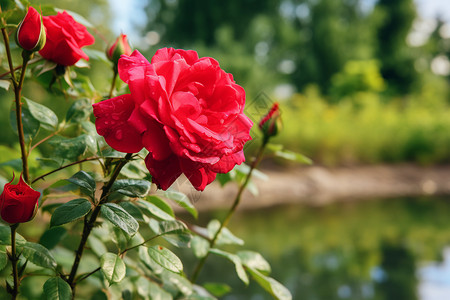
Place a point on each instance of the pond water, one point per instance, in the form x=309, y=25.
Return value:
x=374, y=249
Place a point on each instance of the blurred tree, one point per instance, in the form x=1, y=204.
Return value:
x=395, y=20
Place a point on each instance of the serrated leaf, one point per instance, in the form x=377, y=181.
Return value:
x=255, y=261
x=56, y=288
x=225, y=236
x=70, y=211
x=182, y=200
x=165, y=258
x=217, y=289
x=79, y=111
x=171, y=227
x=3, y=257
x=272, y=286
x=131, y=187
x=85, y=181
x=52, y=236
x=120, y=217
x=43, y=114
x=30, y=124
x=5, y=236
x=113, y=267
x=151, y=209
x=5, y=84
x=237, y=263
x=38, y=255
x=200, y=246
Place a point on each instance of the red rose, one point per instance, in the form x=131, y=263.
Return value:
x=65, y=37
x=30, y=33
x=19, y=202
x=185, y=110
x=271, y=123
x=119, y=47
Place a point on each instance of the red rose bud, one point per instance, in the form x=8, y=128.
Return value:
x=119, y=47
x=18, y=203
x=30, y=34
x=271, y=123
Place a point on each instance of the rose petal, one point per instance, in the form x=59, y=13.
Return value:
x=197, y=174
x=164, y=172
x=155, y=140
x=112, y=123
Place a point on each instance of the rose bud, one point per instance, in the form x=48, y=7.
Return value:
x=271, y=123
x=119, y=47
x=30, y=34
x=18, y=203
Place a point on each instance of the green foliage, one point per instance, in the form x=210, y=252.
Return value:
x=56, y=288
x=70, y=211
x=113, y=267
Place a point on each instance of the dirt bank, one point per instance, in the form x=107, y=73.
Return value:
x=318, y=186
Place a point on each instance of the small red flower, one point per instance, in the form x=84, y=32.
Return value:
x=65, y=38
x=120, y=46
x=18, y=202
x=30, y=33
x=271, y=123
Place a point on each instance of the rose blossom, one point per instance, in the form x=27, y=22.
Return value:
x=65, y=38
x=18, y=202
x=30, y=34
x=185, y=110
x=120, y=46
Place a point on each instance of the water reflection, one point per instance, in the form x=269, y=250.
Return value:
x=363, y=250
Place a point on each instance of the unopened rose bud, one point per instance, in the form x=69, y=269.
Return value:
x=30, y=34
x=119, y=47
x=18, y=202
x=271, y=123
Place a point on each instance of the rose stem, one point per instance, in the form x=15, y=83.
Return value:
x=113, y=83
x=89, y=222
x=13, y=257
x=233, y=208
x=17, y=95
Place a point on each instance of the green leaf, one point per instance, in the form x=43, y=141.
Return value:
x=237, y=263
x=70, y=211
x=96, y=246
x=217, y=289
x=225, y=237
x=133, y=210
x=5, y=84
x=165, y=258
x=272, y=286
x=162, y=204
x=120, y=217
x=3, y=257
x=113, y=267
x=255, y=261
x=30, y=124
x=79, y=111
x=180, y=282
x=52, y=236
x=182, y=200
x=200, y=246
x=97, y=55
x=290, y=155
x=43, y=114
x=153, y=210
x=131, y=187
x=171, y=227
x=69, y=148
x=56, y=288
x=5, y=236
x=150, y=290
x=38, y=255
x=84, y=180
x=180, y=240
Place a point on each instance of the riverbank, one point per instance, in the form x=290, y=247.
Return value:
x=316, y=185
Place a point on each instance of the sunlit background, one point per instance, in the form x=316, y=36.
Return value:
x=361, y=83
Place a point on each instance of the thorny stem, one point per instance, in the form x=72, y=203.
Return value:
x=14, y=259
x=90, y=220
x=17, y=97
x=233, y=208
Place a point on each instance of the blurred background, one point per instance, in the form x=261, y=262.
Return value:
x=360, y=82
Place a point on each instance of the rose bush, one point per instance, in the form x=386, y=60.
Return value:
x=18, y=202
x=185, y=110
x=65, y=38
